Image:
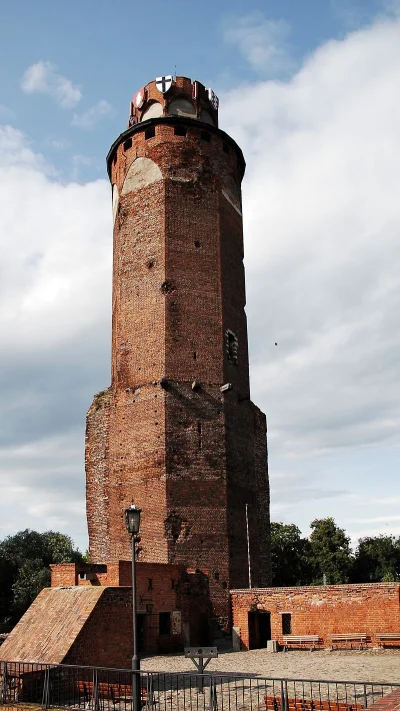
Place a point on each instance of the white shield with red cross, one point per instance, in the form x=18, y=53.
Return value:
x=139, y=98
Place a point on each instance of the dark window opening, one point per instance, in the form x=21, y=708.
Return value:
x=149, y=133
x=225, y=147
x=150, y=585
x=128, y=144
x=173, y=586
x=205, y=136
x=286, y=623
x=164, y=623
x=196, y=243
x=199, y=434
x=231, y=346
x=194, y=355
x=179, y=130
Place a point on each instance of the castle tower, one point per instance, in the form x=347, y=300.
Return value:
x=167, y=434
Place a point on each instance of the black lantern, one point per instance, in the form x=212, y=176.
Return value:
x=132, y=519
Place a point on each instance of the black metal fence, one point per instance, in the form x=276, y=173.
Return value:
x=100, y=689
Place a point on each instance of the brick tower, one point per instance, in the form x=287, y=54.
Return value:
x=176, y=432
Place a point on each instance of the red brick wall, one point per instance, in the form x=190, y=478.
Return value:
x=322, y=610
x=190, y=458
x=106, y=638
x=154, y=581
x=160, y=588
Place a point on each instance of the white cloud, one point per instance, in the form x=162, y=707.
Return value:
x=43, y=78
x=263, y=42
x=55, y=245
x=92, y=116
x=322, y=249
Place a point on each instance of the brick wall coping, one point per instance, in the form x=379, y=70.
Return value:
x=306, y=588
x=139, y=564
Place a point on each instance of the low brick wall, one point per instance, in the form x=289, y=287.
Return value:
x=316, y=610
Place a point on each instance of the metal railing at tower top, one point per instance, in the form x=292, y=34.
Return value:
x=100, y=689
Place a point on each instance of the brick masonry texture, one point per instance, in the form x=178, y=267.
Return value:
x=190, y=458
x=160, y=588
x=320, y=610
x=51, y=625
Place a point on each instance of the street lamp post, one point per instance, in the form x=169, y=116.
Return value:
x=132, y=520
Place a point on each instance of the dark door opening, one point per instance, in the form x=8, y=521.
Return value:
x=141, y=626
x=259, y=629
x=265, y=628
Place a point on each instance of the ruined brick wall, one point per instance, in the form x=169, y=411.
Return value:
x=191, y=458
x=321, y=610
x=160, y=588
x=106, y=638
x=157, y=584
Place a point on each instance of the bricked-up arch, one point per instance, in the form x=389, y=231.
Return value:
x=142, y=172
x=152, y=110
x=181, y=107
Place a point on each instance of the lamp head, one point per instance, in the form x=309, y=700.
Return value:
x=132, y=519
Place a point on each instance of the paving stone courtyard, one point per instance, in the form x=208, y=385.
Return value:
x=365, y=665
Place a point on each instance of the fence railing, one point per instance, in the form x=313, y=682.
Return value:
x=100, y=689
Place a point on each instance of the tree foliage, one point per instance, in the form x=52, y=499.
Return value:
x=377, y=560
x=330, y=551
x=290, y=556
x=326, y=556
x=24, y=568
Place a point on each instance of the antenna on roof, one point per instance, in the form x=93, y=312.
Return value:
x=175, y=72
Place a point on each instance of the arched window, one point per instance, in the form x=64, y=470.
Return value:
x=206, y=117
x=152, y=110
x=182, y=107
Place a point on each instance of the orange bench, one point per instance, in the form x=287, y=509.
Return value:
x=115, y=692
x=301, y=640
x=360, y=637
x=387, y=638
x=273, y=703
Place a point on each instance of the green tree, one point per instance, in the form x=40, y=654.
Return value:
x=290, y=556
x=377, y=559
x=330, y=551
x=24, y=568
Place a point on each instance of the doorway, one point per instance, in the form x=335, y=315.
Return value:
x=141, y=626
x=259, y=629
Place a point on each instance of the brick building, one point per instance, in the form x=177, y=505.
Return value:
x=167, y=433
x=368, y=610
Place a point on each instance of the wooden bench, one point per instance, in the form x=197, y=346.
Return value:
x=117, y=693
x=387, y=637
x=274, y=703
x=351, y=637
x=301, y=640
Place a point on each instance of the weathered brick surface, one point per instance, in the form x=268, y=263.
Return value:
x=321, y=610
x=91, y=624
x=190, y=458
x=160, y=588
x=51, y=625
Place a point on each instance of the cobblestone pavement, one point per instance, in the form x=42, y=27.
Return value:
x=366, y=665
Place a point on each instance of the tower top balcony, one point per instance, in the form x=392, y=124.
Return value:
x=174, y=96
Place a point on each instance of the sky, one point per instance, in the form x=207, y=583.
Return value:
x=309, y=90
